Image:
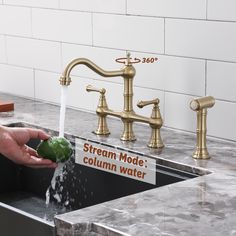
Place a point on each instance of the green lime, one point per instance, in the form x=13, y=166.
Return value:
x=57, y=149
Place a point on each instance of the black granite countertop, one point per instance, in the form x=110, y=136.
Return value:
x=205, y=205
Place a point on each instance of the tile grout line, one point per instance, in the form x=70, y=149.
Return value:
x=206, y=9
x=92, y=29
x=164, y=107
x=31, y=21
x=164, y=35
x=205, y=77
x=6, y=48
x=124, y=14
x=61, y=54
x=34, y=83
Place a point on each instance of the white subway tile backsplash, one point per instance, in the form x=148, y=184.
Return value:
x=129, y=32
x=50, y=92
x=168, y=8
x=66, y=26
x=104, y=58
x=176, y=74
x=2, y=49
x=221, y=10
x=16, y=80
x=149, y=75
x=201, y=39
x=108, y=6
x=15, y=20
x=221, y=82
x=178, y=113
x=185, y=75
x=33, y=53
x=78, y=97
x=33, y=3
x=221, y=120
x=194, y=55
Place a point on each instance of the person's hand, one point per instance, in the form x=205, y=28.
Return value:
x=13, y=146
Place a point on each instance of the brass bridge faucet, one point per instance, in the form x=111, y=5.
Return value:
x=200, y=105
x=128, y=116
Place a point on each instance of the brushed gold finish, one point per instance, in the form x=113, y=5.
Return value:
x=142, y=104
x=102, y=128
x=155, y=140
x=128, y=116
x=200, y=105
x=127, y=72
x=90, y=88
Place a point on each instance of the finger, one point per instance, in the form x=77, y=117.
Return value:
x=42, y=164
x=31, y=151
x=38, y=133
x=32, y=160
x=52, y=166
x=34, y=153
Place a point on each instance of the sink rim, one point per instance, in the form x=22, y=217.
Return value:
x=173, y=165
x=25, y=213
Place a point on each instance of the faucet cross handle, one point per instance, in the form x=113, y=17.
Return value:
x=128, y=59
x=102, y=107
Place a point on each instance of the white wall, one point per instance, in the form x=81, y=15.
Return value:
x=194, y=41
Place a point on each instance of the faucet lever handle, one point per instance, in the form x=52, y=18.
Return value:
x=102, y=128
x=142, y=104
x=155, y=140
x=91, y=88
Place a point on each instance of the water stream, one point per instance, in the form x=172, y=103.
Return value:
x=59, y=169
x=64, y=92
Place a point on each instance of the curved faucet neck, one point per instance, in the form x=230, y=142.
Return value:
x=127, y=72
x=65, y=78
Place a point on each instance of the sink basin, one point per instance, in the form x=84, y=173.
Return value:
x=23, y=192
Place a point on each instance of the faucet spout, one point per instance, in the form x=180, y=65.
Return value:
x=66, y=80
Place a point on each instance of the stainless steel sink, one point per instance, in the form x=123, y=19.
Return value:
x=23, y=191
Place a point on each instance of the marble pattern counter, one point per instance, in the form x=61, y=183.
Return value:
x=204, y=206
